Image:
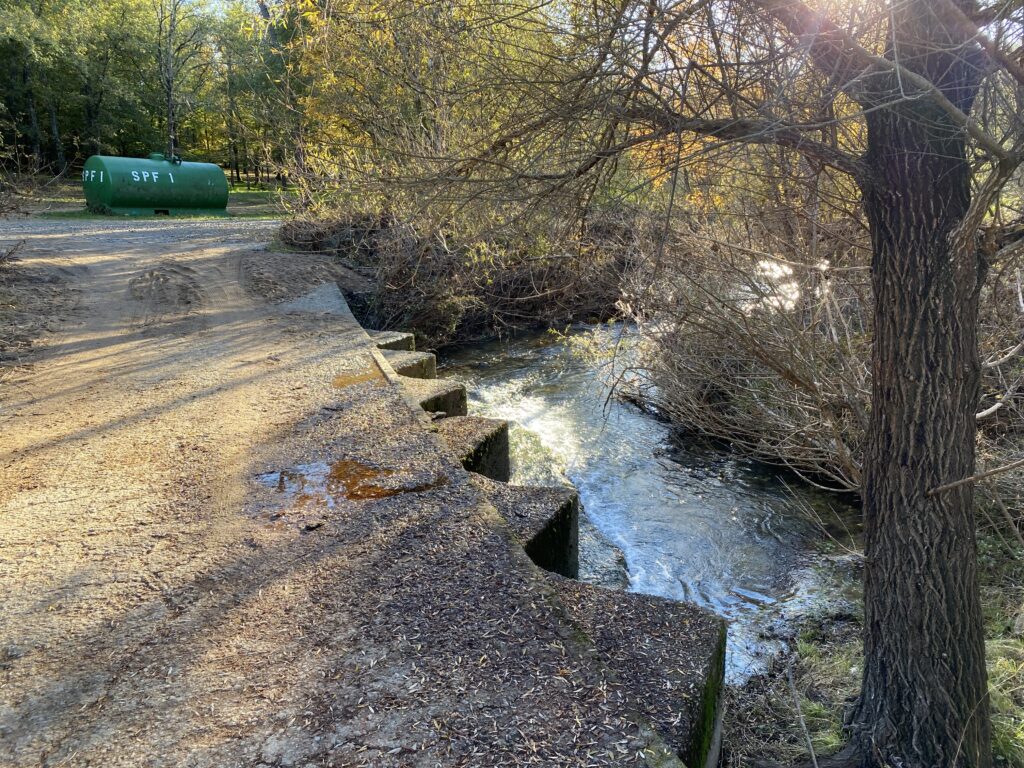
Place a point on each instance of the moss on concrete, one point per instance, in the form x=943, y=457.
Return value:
x=705, y=741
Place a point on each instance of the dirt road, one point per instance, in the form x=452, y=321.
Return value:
x=227, y=539
x=129, y=448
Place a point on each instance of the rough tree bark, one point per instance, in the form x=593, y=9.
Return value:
x=924, y=701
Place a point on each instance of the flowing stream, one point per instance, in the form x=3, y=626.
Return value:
x=692, y=523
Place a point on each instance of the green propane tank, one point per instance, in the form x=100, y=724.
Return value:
x=142, y=187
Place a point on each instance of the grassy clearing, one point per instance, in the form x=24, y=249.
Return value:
x=85, y=214
x=243, y=193
x=62, y=198
x=1006, y=684
x=1001, y=563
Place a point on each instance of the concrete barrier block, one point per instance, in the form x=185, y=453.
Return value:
x=437, y=395
x=416, y=365
x=480, y=444
x=393, y=340
x=670, y=656
x=546, y=522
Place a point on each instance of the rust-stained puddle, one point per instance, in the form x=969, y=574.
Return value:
x=350, y=378
x=323, y=484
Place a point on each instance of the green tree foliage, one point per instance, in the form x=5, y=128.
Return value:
x=81, y=78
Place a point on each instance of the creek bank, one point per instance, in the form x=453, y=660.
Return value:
x=624, y=461
x=451, y=286
x=694, y=523
x=668, y=655
x=234, y=538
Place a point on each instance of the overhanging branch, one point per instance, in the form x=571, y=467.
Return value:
x=753, y=131
x=838, y=54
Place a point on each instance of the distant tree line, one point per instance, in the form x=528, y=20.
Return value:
x=188, y=77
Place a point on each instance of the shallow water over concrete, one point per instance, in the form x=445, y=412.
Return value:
x=322, y=484
x=694, y=523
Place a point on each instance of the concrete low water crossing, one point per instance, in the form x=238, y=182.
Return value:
x=242, y=530
x=694, y=523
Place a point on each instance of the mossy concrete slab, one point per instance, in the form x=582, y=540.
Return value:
x=415, y=365
x=480, y=444
x=544, y=520
x=670, y=657
x=437, y=395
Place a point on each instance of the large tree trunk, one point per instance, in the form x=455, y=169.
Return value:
x=924, y=701
x=232, y=117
